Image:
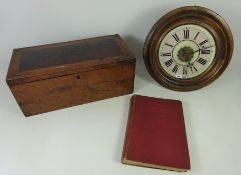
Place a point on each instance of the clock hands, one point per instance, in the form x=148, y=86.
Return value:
x=192, y=67
x=186, y=54
x=208, y=47
x=204, y=48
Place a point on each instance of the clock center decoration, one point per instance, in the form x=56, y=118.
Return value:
x=188, y=48
x=185, y=54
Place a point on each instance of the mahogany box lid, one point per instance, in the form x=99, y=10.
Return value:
x=53, y=60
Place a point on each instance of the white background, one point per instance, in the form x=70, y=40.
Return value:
x=88, y=139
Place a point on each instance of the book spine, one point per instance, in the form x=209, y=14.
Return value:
x=128, y=127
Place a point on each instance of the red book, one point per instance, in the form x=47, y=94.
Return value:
x=155, y=134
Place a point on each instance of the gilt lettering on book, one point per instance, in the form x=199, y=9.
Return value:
x=155, y=135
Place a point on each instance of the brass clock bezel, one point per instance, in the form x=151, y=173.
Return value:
x=196, y=15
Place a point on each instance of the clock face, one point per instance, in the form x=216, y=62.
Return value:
x=187, y=51
x=188, y=48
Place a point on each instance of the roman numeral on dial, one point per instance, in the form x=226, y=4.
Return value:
x=186, y=33
x=196, y=35
x=184, y=71
x=205, y=51
x=176, y=37
x=202, y=61
x=200, y=44
x=169, y=63
x=192, y=67
x=175, y=69
x=169, y=45
x=166, y=54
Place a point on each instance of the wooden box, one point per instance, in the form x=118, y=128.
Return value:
x=54, y=76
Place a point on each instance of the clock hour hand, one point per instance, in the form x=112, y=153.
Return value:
x=189, y=64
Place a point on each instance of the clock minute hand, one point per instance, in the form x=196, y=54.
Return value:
x=208, y=47
x=202, y=49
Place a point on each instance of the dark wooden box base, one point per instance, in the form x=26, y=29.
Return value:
x=61, y=92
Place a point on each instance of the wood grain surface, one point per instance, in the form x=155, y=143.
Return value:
x=50, y=77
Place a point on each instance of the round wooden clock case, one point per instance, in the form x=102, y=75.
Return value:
x=188, y=48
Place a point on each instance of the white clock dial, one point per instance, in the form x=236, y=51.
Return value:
x=187, y=51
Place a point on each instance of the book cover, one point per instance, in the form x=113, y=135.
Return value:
x=156, y=135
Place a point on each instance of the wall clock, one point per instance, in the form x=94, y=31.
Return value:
x=188, y=48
